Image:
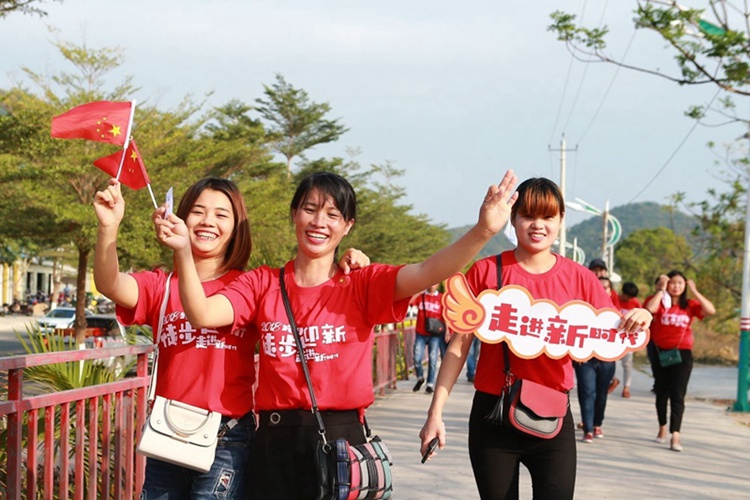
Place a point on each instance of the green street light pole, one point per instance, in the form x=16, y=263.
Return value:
x=741, y=403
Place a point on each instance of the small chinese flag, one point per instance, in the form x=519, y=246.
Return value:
x=133, y=172
x=101, y=121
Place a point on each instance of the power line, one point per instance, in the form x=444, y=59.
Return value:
x=609, y=87
x=562, y=100
x=583, y=79
x=565, y=88
x=674, y=153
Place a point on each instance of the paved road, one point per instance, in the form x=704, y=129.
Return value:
x=9, y=344
x=625, y=464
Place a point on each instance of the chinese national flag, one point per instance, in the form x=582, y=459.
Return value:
x=101, y=121
x=133, y=172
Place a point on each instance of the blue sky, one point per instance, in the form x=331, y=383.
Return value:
x=454, y=93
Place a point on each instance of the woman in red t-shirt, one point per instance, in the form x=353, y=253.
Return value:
x=497, y=450
x=335, y=315
x=209, y=368
x=671, y=330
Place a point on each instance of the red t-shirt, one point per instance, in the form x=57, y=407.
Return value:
x=627, y=305
x=429, y=304
x=566, y=281
x=209, y=368
x=615, y=299
x=671, y=327
x=335, y=321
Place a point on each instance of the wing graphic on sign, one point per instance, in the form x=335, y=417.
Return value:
x=461, y=311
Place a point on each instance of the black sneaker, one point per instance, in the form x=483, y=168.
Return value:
x=429, y=389
x=418, y=385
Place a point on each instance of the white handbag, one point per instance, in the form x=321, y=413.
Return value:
x=177, y=432
x=181, y=434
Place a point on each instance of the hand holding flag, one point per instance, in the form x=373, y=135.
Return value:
x=101, y=121
x=133, y=172
x=128, y=168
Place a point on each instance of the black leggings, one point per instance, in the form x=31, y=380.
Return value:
x=670, y=385
x=497, y=450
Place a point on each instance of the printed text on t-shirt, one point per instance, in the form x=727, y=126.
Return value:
x=177, y=330
x=278, y=340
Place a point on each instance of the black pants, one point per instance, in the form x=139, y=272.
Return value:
x=670, y=385
x=285, y=448
x=497, y=450
x=653, y=357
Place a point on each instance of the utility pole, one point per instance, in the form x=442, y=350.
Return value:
x=562, y=151
x=605, y=222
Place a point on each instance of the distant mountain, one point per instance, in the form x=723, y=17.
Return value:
x=633, y=216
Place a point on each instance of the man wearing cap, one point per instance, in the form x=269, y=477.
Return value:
x=595, y=378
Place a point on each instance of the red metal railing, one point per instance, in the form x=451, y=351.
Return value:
x=81, y=437
x=81, y=442
x=407, y=341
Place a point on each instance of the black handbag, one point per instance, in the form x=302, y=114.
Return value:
x=344, y=471
x=433, y=326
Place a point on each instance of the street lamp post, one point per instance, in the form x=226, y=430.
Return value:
x=610, y=222
x=741, y=404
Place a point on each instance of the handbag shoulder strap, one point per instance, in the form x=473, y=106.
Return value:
x=162, y=310
x=499, y=267
x=303, y=360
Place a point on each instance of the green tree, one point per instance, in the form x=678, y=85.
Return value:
x=49, y=185
x=647, y=253
x=710, y=45
x=264, y=184
x=722, y=220
x=295, y=123
x=23, y=6
x=386, y=228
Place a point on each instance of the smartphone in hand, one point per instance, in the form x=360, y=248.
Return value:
x=430, y=448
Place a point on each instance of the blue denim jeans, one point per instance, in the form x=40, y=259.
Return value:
x=471, y=358
x=433, y=347
x=593, y=378
x=227, y=478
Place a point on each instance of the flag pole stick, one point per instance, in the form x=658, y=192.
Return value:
x=152, y=196
x=127, y=139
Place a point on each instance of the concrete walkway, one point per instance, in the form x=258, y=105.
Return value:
x=625, y=464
